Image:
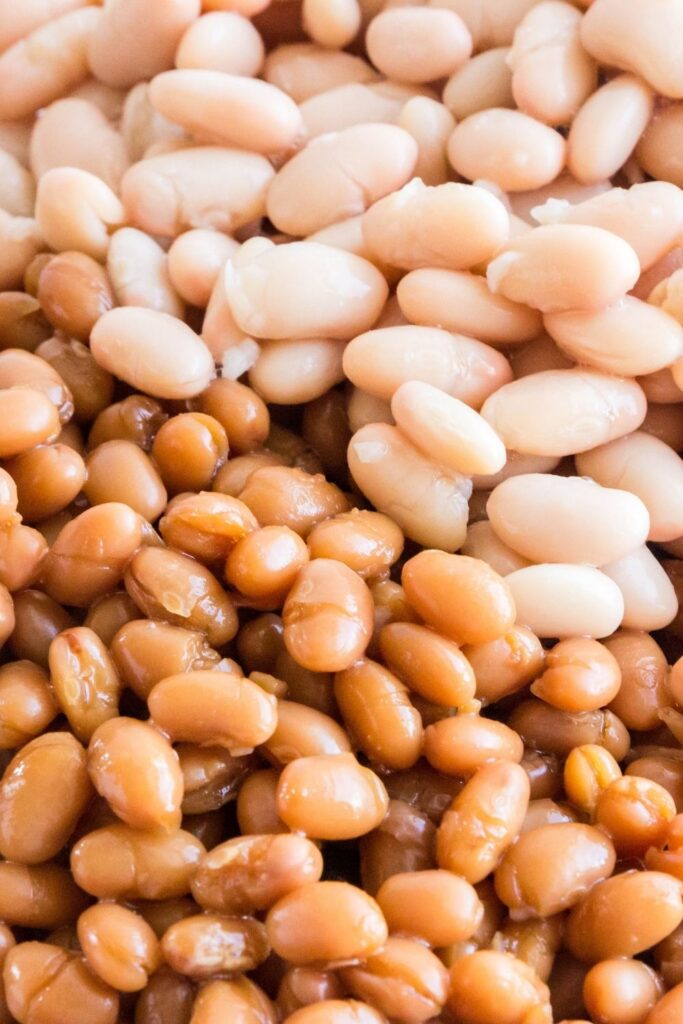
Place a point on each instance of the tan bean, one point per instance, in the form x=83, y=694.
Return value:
x=119, y=946
x=19, y=369
x=505, y=665
x=305, y=69
x=483, y=820
x=77, y=210
x=461, y=745
x=650, y=600
x=74, y=132
x=26, y=703
x=240, y=411
x=231, y=1000
x=108, y=614
x=430, y=664
x=84, y=679
x=303, y=732
x=206, y=945
x=207, y=525
x=199, y=187
x=404, y=980
x=146, y=652
x=42, y=980
x=39, y=896
x=21, y=241
x=644, y=688
x=440, y=43
x=484, y=81
x=557, y=732
x=588, y=771
x=488, y=983
x=633, y=990
x=355, y=103
x=484, y=544
x=138, y=268
x=22, y=323
x=580, y=675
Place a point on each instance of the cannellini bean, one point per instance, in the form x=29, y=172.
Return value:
x=292, y=372
x=648, y=216
x=355, y=103
x=452, y=225
x=561, y=600
x=363, y=408
x=447, y=430
x=650, y=600
x=462, y=302
x=195, y=261
x=152, y=351
x=562, y=412
x=564, y=266
x=303, y=70
x=348, y=235
x=302, y=290
x=508, y=148
x=143, y=128
x=629, y=338
x=136, y=39
x=564, y=187
x=200, y=187
x=483, y=543
x=623, y=34
x=17, y=22
x=490, y=23
x=341, y=174
x=516, y=465
x=552, y=74
x=75, y=133
x=221, y=41
x=230, y=347
x=660, y=142
x=45, y=64
x=427, y=500
x=20, y=241
x=380, y=361
x=138, y=270
x=482, y=82
x=332, y=24
x=430, y=123
x=550, y=518
x=15, y=138
x=605, y=131
x=228, y=110
x=76, y=210
x=105, y=97
x=17, y=188
x=439, y=43
x=648, y=468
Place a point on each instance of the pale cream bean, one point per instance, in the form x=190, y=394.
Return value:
x=490, y=22
x=105, y=97
x=230, y=347
x=629, y=338
x=363, y=408
x=564, y=266
x=605, y=131
x=303, y=70
x=516, y=465
x=340, y=174
x=17, y=187
x=221, y=41
x=668, y=295
x=659, y=143
x=427, y=500
x=356, y=103
x=380, y=361
x=540, y=354
x=18, y=21
x=418, y=44
x=138, y=271
x=228, y=110
x=483, y=82
x=430, y=123
x=560, y=600
x=302, y=290
x=463, y=302
x=562, y=412
x=20, y=241
x=293, y=372
x=648, y=216
x=15, y=138
x=660, y=388
x=136, y=39
x=452, y=225
x=650, y=600
x=649, y=469
x=142, y=127
x=75, y=133
x=624, y=34
x=195, y=261
x=348, y=235
x=552, y=75
x=76, y=210
x=45, y=64
x=483, y=543
x=508, y=148
x=153, y=352
x=447, y=430
x=550, y=518
x=332, y=23
x=563, y=187
x=200, y=187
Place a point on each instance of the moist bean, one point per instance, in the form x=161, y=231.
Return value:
x=303, y=732
x=635, y=813
x=644, y=672
x=488, y=985
x=328, y=616
x=484, y=544
x=46, y=982
x=209, y=944
x=553, y=731
x=39, y=896
x=297, y=924
x=368, y=542
x=566, y=600
x=330, y=796
x=26, y=703
x=91, y=386
x=217, y=708
x=223, y=41
x=354, y=103
x=430, y=124
x=619, y=112
x=483, y=820
x=403, y=842
x=428, y=663
x=76, y=210
x=84, y=679
x=136, y=418
x=305, y=986
x=440, y=43
x=667, y=1008
x=47, y=478
x=621, y=989
x=120, y=471
x=119, y=946
x=461, y=745
x=22, y=323
x=506, y=664
x=148, y=37
x=338, y=1011
x=75, y=132
x=122, y=863
x=240, y=411
x=256, y=804
x=167, y=995
x=545, y=811
x=138, y=268
x=170, y=587
x=188, y=450
x=211, y=778
x=206, y=526
x=232, y=1000
x=74, y=291
x=580, y=675
x=624, y=915
x=38, y=619
x=544, y=773
x=304, y=69
x=535, y=943
x=21, y=242
x=435, y=906
x=650, y=600
x=588, y=771
x=484, y=81
x=404, y=980
x=137, y=772
x=196, y=259
x=107, y=615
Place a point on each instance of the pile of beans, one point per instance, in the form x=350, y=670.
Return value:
x=341, y=512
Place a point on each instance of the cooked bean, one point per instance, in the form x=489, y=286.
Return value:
x=650, y=599
x=435, y=906
x=303, y=731
x=240, y=411
x=119, y=946
x=41, y=896
x=566, y=600
x=26, y=703
x=37, y=620
x=484, y=81
x=90, y=385
x=644, y=673
x=338, y=1011
x=138, y=269
x=212, y=944
x=147, y=37
x=196, y=259
x=232, y=1000
x=206, y=526
x=461, y=745
x=404, y=980
x=45, y=982
x=557, y=732
x=430, y=124
x=430, y=664
x=306, y=986
x=621, y=990
x=84, y=678
x=223, y=41
x=188, y=450
x=211, y=778
x=483, y=543
x=588, y=771
x=75, y=132
x=297, y=924
x=506, y=664
x=256, y=804
x=668, y=1008
x=48, y=478
x=489, y=985
x=635, y=813
x=579, y=675
x=120, y=471
x=440, y=43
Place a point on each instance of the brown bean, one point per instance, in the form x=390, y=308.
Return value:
x=240, y=411
x=303, y=732
x=429, y=664
x=91, y=386
x=122, y=863
x=39, y=896
x=368, y=542
x=22, y=323
x=588, y=771
x=306, y=986
x=84, y=679
x=402, y=843
x=505, y=665
x=28, y=418
x=330, y=796
x=74, y=291
x=189, y=449
x=635, y=813
x=624, y=915
x=27, y=705
x=483, y=820
x=22, y=552
x=643, y=689
x=136, y=418
x=207, y=945
x=557, y=732
x=108, y=614
x=146, y=652
x=211, y=777
x=48, y=478
x=403, y=980
x=38, y=620
x=168, y=996
x=264, y=564
x=236, y=1000
x=298, y=924
x=435, y=906
x=580, y=675
x=461, y=745
x=24, y=369
x=119, y=946
x=284, y=496
x=207, y=525
x=120, y=471
x=44, y=982
x=621, y=990
x=137, y=773
x=170, y=587
x=336, y=1011
x=488, y=985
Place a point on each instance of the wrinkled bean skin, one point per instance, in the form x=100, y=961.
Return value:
x=43, y=980
x=145, y=652
x=213, y=944
x=120, y=946
x=84, y=679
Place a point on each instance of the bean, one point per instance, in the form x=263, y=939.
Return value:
x=196, y=259
x=199, y=187
x=90, y=386
x=146, y=652
x=256, y=804
x=489, y=985
x=368, y=542
x=558, y=732
x=403, y=980
x=336, y=1011
x=650, y=600
x=330, y=796
x=297, y=924
x=211, y=778
x=119, y=946
x=644, y=673
x=305, y=986
x=206, y=526
x=434, y=906
x=588, y=771
x=461, y=745
x=240, y=411
x=37, y=619
x=580, y=675
x=222, y=41
x=188, y=450
x=74, y=132
x=484, y=81
x=535, y=943
x=667, y=1008
x=618, y=112
x=136, y=418
x=84, y=679
x=138, y=268
x=39, y=896
x=635, y=813
x=303, y=732
x=440, y=43
x=429, y=664
x=624, y=915
x=122, y=863
x=232, y=1000
x=483, y=820
x=21, y=242
x=354, y=103
x=45, y=982
x=564, y=600
x=506, y=664
x=402, y=843
x=305, y=69
x=26, y=703
x=22, y=323
x=430, y=124
x=209, y=944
